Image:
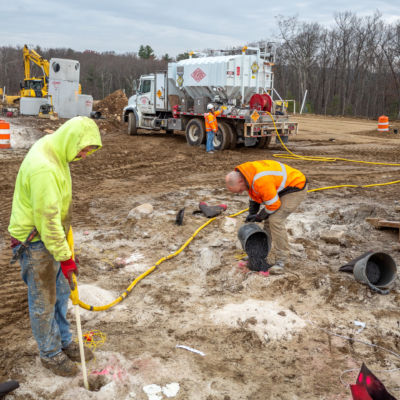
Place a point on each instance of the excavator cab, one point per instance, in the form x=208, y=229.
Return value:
x=32, y=88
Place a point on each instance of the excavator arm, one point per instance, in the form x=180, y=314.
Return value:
x=32, y=55
x=30, y=82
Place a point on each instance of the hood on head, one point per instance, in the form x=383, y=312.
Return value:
x=73, y=136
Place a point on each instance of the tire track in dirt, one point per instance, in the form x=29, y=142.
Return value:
x=13, y=292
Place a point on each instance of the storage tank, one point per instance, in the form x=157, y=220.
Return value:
x=64, y=96
x=85, y=105
x=232, y=77
x=31, y=105
x=64, y=69
x=64, y=86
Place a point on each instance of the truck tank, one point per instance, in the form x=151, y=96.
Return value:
x=233, y=77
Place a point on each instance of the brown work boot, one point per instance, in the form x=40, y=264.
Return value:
x=60, y=364
x=73, y=353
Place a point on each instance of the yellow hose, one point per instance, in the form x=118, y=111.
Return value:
x=292, y=156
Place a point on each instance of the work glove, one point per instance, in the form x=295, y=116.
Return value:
x=261, y=216
x=253, y=207
x=68, y=267
x=251, y=218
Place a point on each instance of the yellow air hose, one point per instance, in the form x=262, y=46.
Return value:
x=291, y=156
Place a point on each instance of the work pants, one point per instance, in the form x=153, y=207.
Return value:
x=48, y=293
x=275, y=225
x=210, y=140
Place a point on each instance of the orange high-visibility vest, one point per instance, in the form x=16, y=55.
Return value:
x=211, y=121
x=267, y=178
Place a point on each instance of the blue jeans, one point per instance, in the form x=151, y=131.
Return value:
x=210, y=139
x=48, y=293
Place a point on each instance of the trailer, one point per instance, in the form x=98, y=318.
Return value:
x=240, y=83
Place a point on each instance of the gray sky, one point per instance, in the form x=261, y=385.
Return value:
x=168, y=26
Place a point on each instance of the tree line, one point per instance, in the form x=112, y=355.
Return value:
x=349, y=69
x=352, y=68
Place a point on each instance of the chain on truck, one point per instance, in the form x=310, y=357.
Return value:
x=238, y=81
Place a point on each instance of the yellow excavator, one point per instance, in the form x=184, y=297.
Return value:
x=34, y=87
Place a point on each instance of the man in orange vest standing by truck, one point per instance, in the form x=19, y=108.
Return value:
x=211, y=126
x=275, y=191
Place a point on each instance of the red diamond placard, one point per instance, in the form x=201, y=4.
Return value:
x=198, y=74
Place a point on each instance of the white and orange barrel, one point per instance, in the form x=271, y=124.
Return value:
x=383, y=123
x=5, y=135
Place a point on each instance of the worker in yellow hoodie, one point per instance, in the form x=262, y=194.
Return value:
x=42, y=209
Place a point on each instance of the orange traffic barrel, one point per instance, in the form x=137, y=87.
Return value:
x=383, y=123
x=5, y=135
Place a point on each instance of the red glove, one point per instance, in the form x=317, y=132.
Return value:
x=68, y=267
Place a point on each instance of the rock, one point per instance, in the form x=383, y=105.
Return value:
x=229, y=225
x=209, y=259
x=331, y=250
x=119, y=262
x=144, y=210
x=333, y=236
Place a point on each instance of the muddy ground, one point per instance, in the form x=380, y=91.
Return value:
x=262, y=337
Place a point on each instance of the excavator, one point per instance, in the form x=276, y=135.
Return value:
x=34, y=87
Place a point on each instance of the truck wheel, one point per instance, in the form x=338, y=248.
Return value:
x=233, y=137
x=222, y=140
x=263, y=142
x=195, y=133
x=132, y=128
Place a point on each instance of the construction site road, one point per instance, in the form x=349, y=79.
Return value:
x=262, y=337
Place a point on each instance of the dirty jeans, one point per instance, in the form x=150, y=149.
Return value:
x=48, y=293
x=275, y=224
x=209, y=143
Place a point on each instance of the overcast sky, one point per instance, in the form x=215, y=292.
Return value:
x=168, y=26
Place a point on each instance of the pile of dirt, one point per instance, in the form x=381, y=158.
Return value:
x=111, y=106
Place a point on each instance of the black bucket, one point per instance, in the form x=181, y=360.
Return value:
x=254, y=239
x=376, y=270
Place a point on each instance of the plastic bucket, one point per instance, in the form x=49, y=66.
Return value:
x=376, y=269
x=253, y=233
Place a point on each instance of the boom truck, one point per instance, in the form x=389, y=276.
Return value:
x=239, y=82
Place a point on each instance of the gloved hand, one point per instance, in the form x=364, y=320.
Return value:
x=252, y=218
x=261, y=216
x=68, y=267
x=253, y=207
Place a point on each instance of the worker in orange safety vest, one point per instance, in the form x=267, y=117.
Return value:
x=275, y=188
x=211, y=126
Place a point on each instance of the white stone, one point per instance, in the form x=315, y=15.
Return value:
x=144, y=210
x=153, y=392
x=171, y=389
x=229, y=225
x=333, y=236
x=209, y=259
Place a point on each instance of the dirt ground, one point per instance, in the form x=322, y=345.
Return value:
x=278, y=337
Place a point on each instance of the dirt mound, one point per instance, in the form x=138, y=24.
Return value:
x=111, y=106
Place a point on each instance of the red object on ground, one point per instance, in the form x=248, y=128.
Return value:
x=261, y=102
